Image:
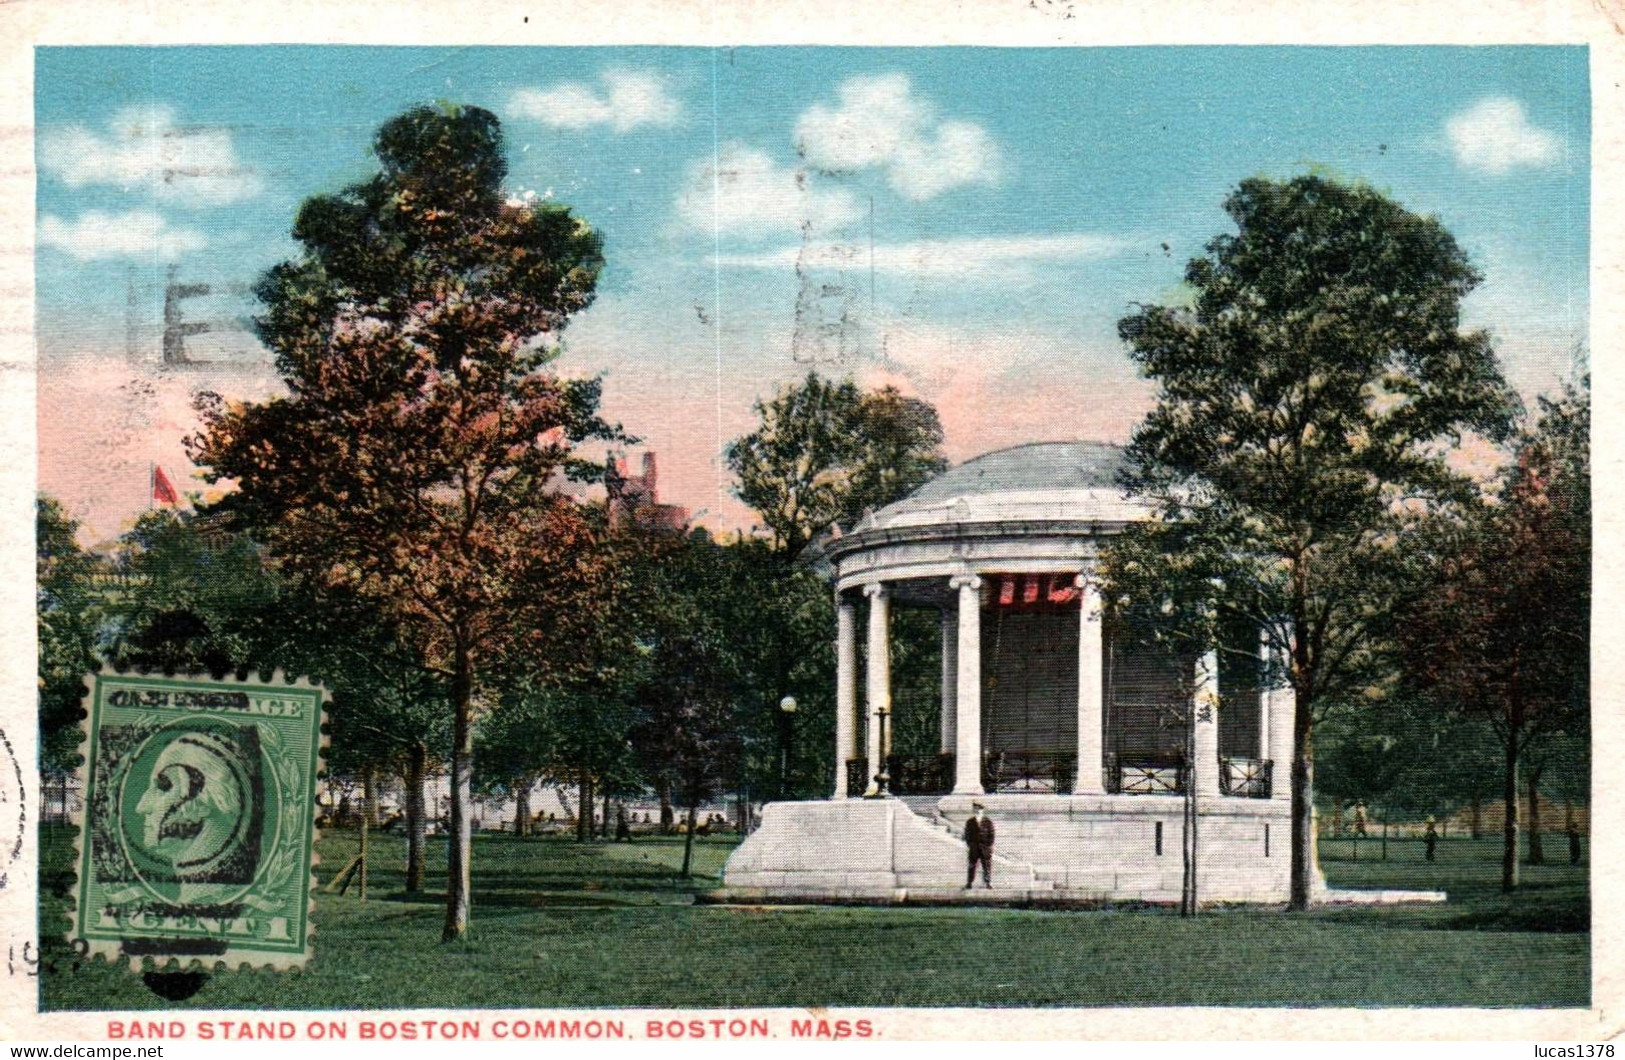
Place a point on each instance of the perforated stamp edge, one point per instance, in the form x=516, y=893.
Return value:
x=232, y=959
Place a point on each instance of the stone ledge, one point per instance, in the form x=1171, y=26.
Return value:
x=996, y=898
x=1031, y=806
x=1336, y=896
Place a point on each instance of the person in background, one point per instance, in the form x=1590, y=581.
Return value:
x=979, y=834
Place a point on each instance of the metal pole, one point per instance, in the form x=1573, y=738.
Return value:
x=883, y=778
x=784, y=755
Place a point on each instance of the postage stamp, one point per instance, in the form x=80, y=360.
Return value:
x=807, y=528
x=197, y=835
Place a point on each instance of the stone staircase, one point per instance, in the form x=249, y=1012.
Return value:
x=925, y=808
x=1072, y=883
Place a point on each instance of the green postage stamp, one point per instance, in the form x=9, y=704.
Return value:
x=197, y=835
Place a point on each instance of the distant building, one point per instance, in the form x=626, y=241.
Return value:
x=635, y=500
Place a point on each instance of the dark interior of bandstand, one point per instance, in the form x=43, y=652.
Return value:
x=1029, y=671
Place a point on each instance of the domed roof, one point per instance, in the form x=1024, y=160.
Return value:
x=1036, y=466
x=1043, y=482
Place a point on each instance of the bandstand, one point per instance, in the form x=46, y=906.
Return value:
x=1069, y=732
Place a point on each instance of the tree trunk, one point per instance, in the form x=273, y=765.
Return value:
x=1509, y=795
x=1537, y=854
x=1303, y=808
x=667, y=817
x=361, y=868
x=458, y=878
x=521, y=807
x=1475, y=822
x=583, y=808
x=416, y=766
x=688, y=844
x=603, y=827
x=742, y=814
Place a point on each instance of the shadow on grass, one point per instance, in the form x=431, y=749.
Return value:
x=533, y=899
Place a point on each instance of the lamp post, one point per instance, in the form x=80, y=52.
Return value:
x=787, y=719
x=883, y=778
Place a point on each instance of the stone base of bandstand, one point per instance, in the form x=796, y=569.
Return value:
x=1052, y=850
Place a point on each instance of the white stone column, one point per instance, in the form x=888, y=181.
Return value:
x=879, y=683
x=1091, y=690
x=1283, y=715
x=950, y=679
x=968, y=698
x=846, y=690
x=1206, y=704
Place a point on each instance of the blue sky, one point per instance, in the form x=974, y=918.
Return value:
x=966, y=223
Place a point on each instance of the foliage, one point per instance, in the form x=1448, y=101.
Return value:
x=193, y=594
x=413, y=463
x=693, y=673
x=1503, y=634
x=1307, y=397
x=70, y=614
x=825, y=452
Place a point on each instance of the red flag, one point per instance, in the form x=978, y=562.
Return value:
x=163, y=491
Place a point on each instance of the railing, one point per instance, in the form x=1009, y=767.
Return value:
x=920, y=774
x=905, y=775
x=1145, y=775
x=1032, y=772
x=1246, y=777
x=1053, y=773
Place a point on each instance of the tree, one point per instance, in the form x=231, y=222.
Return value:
x=193, y=594
x=825, y=452
x=777, y=614
x=70, y=615
x=414, y=461
x=1307, y=395
x=387, y=709
x=1504, y=633
x=691, y=733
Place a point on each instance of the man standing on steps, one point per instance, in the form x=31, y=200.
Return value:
x=979, y=847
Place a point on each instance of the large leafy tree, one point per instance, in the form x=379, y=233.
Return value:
x=413, y=462
x=1504, y=633
x=1308, y=392
x=825, y=451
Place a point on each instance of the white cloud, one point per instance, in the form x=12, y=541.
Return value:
x=140, y=234
x=880, y=123
x=144, y=150
x=623, y=100
x=746, y=192
x=1002, y=257
x=1495, y=135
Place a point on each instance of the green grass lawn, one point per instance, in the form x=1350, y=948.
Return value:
x=557, y=924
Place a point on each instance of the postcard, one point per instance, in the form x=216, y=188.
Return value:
x=706, y=522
